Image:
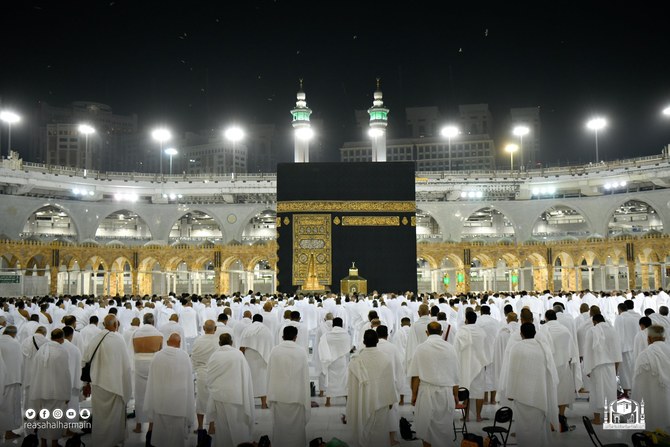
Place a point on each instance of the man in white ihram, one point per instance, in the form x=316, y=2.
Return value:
x=169, y=400
x=111, y=383
x=10, y=400
x=602, y=355
x=147, y=341
x=334, y=348
x=473, y=356
x=531, y=382
x=371, y=393
x=51, y=384
x=288, y=391
x=231, y=393
x=651, y=379
x=434, y=371
x=203, y=348
x=256, y=343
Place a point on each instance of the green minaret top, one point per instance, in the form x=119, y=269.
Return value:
x=301, y=112
x=378, y=113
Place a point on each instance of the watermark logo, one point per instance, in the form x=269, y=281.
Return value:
x=30, y=413
x=71, y=413
x=85, y=413
x=44, y=413
x=624, y=414
x=57, y=413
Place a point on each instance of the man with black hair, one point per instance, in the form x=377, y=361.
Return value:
x=256, y=343
x=288, y=390
x=371, y=393
x=602, y=356
x=473, y=356
x=74, y=358
x=491, y=326
x=399, y=375
x=334, y=348
x=626, y=326
x=531, y=382
x=90, y=331
x=640, y=341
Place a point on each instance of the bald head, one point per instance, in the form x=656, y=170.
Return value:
x=424, y=310
x=209, y=327
x=434, y=328
x=135, y=322
x=174, y=340
x=111, y=323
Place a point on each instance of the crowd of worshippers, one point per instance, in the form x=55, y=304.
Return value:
x=213, y=363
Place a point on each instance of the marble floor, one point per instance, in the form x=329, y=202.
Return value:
x=325, y=423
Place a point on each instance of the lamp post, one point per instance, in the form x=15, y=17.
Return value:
x=521, y=131
x=86, y=129
x=10, y=118
x=511, y=148
x=450, y=132
x=171, y=152
x=595, y=124
x=234, y=134
x=161, y=135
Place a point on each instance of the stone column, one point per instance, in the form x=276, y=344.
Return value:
x=631, y=274
x=644, y=271
x=53, y=287
x=658, y=276
x=135, y=287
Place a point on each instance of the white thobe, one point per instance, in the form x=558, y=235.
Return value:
x=289, y=394
x=334, y=349
x=491, y=326
x=533, y=391
x=566, y=357
x=29, y=348
x=257, y=341
x=232, y=396
x=10, y=401
x=203, y=348
x=499, y=347
x=473, y=356
x=416, y=336
x=435, y=363
x=651, y=383
x=627, y=326
x=169, y=400
x=141, y=365
x=74, y=358
x=371, y=393
x=601, y=352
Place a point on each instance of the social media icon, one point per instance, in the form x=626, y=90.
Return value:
x=58, y=413
x=71, y=414
x=30, y=413
x=85, y=413
x=44, y=413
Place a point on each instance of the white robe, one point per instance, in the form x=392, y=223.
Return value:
x=499, y=346
x=473, y=356
x=532, y=389
x=566, y=358
x=416, y=336
x=203, y=348
x=74, y=357
x=141, y=365
x=169, y=401
x=29, y=349
x=626, y=326
x=10, y=401
x=231, y=395
x=257, y=341
x=111, y=383
x=651, y=383
x=334, y=349
x=435, y=363
x=601, y=352
x=289, y=394
x=371, y=393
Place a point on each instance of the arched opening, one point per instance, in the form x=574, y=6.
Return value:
x=196, y=226
x=261, y=227
x=449, y=275
x=48, y=223
x=558, y=274
x=264, y=277
x=558, y=222
x=487, y=223
x=634, y=217
x=236, y=277
x=615, y=273
x=124, y=226
x=423, y=276
x=427, y=228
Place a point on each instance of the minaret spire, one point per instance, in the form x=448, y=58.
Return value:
x=302, y=128
x=378, y=122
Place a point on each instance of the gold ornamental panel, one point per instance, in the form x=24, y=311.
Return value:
x=312, y=242
x=349, y=206
x=370, y=221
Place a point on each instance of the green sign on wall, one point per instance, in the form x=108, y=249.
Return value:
x=10, y=279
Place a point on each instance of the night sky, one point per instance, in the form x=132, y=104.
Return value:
x=201, y=65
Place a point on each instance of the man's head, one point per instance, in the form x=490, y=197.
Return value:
x=405, y=321
x=370, y=338
x=175, y=318
x=663, y=310
x=295, y=315
x=267, y=307
x=93, y=320
x=630, y=304
x=10, y=330
x=68, y=333
x=508, y=308
x=512, y=316
x=69, y=320
x=644, y=323
x=434, y=328
x=337, y=322
x=222, y=318
x=225, y=339
x=424, y=310
x=470, y=317
x=486, y=310
x=527, y=331
x=35, y=317
x=594, y=310
x=550, y=315
x=655, y=333
x=135, y=322
x=41, y=330
x=209, y=327
x=375, y=322
x=597, y=319
x=148, y=318
x=526, y=316
x=373, y=315
x=112, y=324
x=584, y=307
x=258, y=318
x=174, y=340
x=57, y=336
x=382, y=331
x=246, y=314
x=290, y=333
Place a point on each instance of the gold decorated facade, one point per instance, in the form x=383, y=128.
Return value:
x=644, y=257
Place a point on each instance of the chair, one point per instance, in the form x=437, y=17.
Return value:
x=503, y=416
x=594, y=437
x=463, y=404
x=641, y=440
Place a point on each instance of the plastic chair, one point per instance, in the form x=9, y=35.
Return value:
x=594, y=437
x=641, y=440
x=503, y=416
x=463, y=404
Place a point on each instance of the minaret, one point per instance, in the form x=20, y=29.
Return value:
x=378, y=122
x=303, y=130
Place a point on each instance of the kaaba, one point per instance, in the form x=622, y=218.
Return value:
x=330, y=215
